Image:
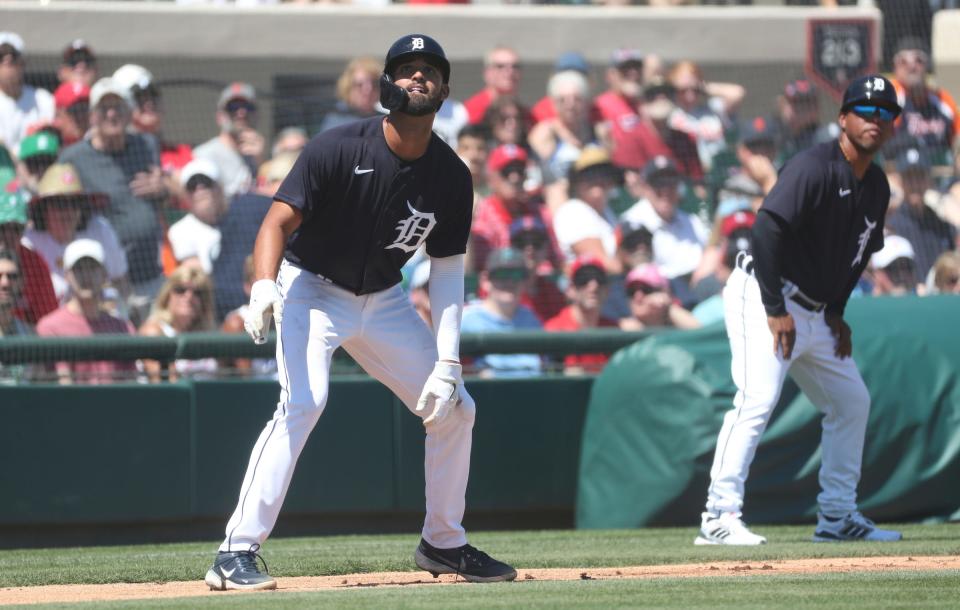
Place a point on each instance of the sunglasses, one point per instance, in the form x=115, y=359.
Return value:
x=584, y=276
x=513, y=168
x=197, y=181
x=868, y=112
x=13, y=275
x=182, y=290
x=505, y=66
x=642, y=288
x=143, y=95
x=234, y=106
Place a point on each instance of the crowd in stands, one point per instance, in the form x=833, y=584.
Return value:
x=614, y=205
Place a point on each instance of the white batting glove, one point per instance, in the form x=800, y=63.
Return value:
x=441, y=392
x=263, y=296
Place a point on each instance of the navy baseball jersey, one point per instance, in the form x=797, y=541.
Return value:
x=818, y=227
x=366, y=211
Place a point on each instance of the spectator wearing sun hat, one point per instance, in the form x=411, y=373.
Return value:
x=585, y=224
x=62, y=212
x=21, y=105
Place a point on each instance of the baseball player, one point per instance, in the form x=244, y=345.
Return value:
x=784, y=307
x=360, y=200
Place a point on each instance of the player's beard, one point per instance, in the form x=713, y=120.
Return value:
x=422, y=105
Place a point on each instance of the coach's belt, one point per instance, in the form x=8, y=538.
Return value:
x=806, y=303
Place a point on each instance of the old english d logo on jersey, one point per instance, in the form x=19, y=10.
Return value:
x=413, y=230
x=863, y=240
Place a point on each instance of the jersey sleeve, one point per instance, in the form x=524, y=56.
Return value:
x=308, y=181
x=450, y=236
x=799, y=186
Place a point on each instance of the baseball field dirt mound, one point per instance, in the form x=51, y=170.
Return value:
x=132, y=591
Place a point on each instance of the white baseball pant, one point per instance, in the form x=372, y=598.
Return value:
x=384, y=334
x=833, y=385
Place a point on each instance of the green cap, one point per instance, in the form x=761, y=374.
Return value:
x=13, y=208
x=41, y=143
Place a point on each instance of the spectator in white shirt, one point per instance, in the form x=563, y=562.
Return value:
x=21, y=105
x=195, y=238
x=585, y=225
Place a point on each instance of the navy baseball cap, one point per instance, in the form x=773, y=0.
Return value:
x=571, y=60
x=757, y=130
x=874, y=90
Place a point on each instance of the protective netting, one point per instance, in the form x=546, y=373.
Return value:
x=162, y=178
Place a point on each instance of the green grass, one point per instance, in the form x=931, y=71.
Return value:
x=539, y=549
x=826, y=592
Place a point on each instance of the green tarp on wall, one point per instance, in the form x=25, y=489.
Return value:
x=656, y=409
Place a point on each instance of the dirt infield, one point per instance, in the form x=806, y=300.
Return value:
x=128, y=591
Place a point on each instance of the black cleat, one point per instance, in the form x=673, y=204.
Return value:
x=473, y=564
x=238, y=570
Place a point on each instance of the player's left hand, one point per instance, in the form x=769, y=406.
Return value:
x=842, y=333
x=441, y=392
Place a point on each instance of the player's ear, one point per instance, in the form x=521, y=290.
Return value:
x=444, y=91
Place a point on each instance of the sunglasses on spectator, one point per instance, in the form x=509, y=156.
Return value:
x=868, y=112
x=508, y=275
x=104, y=107
x=643, y=288
x=513, y=168
x=505, y=66
x=146, y=94
x=588, y=274
x=529, y=238
x=182, y=290
x=199, y=180
x=12, y=275
x=234, y=106
x=78, y=57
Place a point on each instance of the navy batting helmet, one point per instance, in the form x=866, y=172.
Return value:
x=873, y=89
x=417, y=44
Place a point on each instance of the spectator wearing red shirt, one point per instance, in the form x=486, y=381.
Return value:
x=506, y=173
x=638, y=139
x=587, y=292
x=534, y=241
x=501, y=77
x=37, y=285
x=624, y=87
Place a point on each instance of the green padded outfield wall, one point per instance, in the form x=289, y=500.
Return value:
x=656, y=409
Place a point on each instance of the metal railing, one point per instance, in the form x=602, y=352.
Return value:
x=19, y=350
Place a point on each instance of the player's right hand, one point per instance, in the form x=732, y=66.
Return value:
x=784, y=334
x=264, y=295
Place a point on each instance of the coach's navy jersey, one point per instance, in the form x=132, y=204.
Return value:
x=366, y=211
x=827, y=224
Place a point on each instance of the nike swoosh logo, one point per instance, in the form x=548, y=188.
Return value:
x=359, y=171
x=843, y=192
x=229, y=573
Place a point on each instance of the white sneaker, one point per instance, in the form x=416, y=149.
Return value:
x=726, y=528
x=852, y=527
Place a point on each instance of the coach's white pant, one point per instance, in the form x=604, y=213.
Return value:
x=384, y=334
x=833, y=385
